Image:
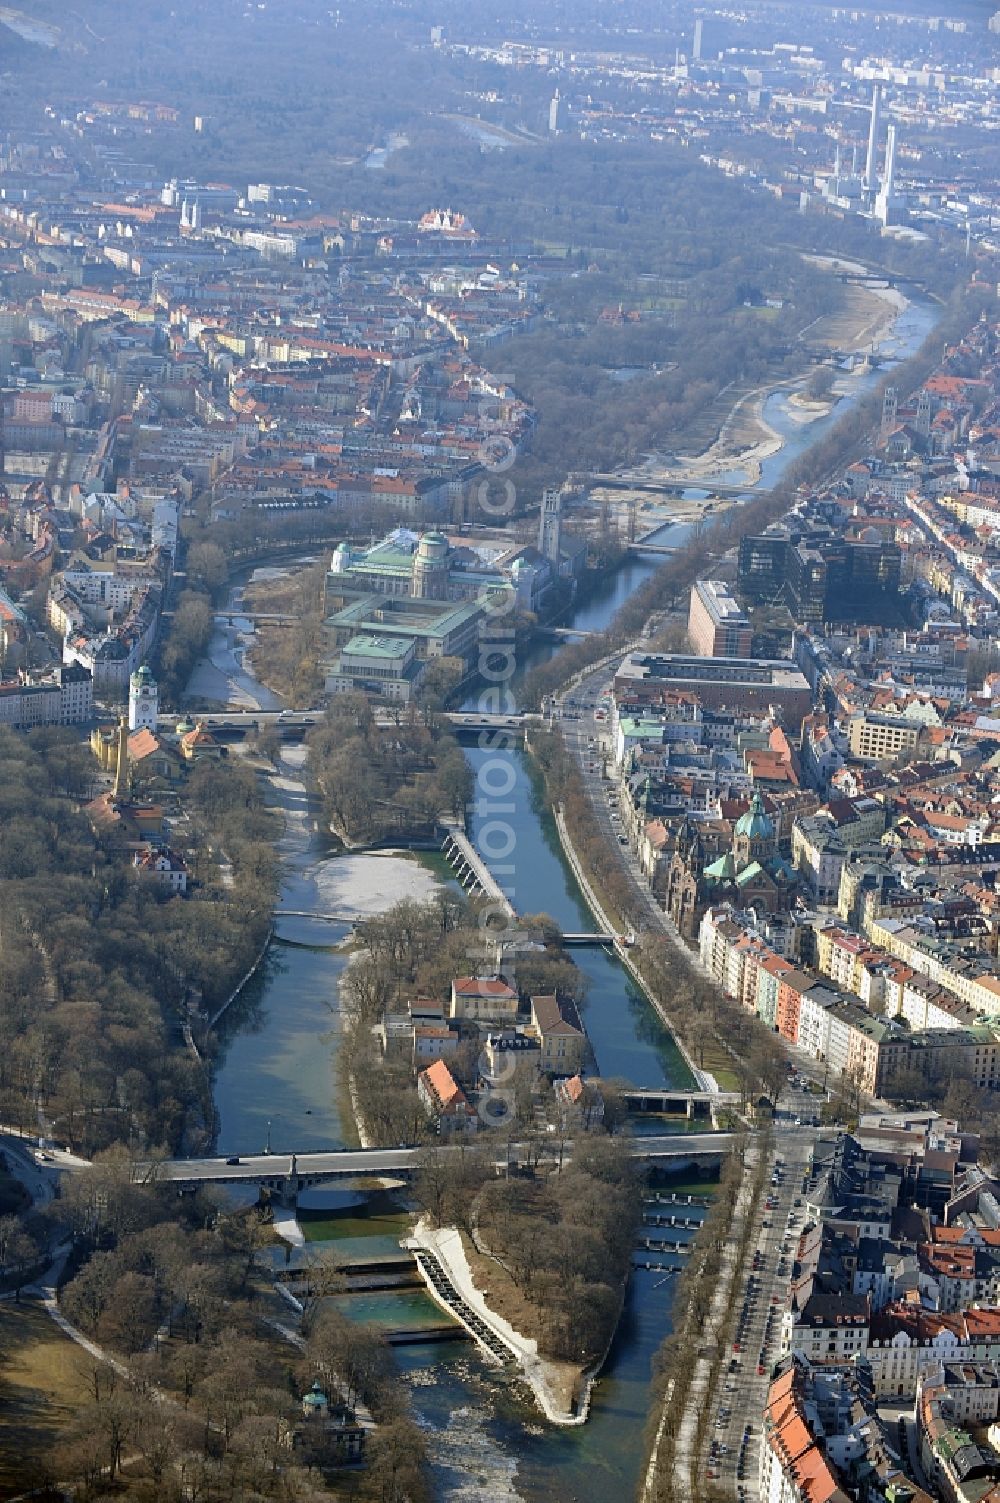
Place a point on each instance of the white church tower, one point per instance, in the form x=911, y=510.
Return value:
x=143, y=701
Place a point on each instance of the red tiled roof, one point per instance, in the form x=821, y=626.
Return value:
x=444, y=1086
x=482, y=986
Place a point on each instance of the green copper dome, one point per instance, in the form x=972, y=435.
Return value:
x=755, y=823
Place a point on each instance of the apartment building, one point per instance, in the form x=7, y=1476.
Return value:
x=444, y=1101
x=906, y=1341
x=823, y=1440
x=827, y=1328
x=564, y=1044
x=960, y=969
x=769, y=974
x=483, y=999
x=62, y=697
x=818, y=854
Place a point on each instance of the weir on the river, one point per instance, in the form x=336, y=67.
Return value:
x=472, y=869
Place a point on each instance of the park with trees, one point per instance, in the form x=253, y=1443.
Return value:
x=98, y=970
x=196, y=1391
x=98, y=966
x=552, y=1243
x=557, y=1234
x=380, y=784
x=416, y=950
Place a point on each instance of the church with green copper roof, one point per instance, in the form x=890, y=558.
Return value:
x=749, y=873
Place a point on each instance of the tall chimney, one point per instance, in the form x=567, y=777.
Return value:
x=121, y=760
x=871, y=179
x=890, y=163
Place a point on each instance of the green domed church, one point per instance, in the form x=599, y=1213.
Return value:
x=749, y=874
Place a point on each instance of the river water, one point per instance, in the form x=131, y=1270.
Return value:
x=629, y=1041
x=275, y=1083
x=902, y=339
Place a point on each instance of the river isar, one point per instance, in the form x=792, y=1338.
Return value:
x=275, y=1082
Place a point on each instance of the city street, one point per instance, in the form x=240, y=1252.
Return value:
x=38, y=1175
x=589, y=740
x=731, y=1451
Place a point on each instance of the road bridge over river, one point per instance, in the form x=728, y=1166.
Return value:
x=279, y=618
x=245, y=722
x=291, y=1172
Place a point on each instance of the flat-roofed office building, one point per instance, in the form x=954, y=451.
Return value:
x=876, y=738
x=717, y=627
x=757, y=685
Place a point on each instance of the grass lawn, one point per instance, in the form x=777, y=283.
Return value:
x=719, y=1061
x=42, y=1383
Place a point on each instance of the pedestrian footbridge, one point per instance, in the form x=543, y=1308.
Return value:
x=678, y=1103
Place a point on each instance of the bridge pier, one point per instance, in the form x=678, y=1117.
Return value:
x=289, y=1192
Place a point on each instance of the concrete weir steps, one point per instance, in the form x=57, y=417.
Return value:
x=677, y=1200
x=447, y=1295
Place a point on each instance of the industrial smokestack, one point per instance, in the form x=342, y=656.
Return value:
x=871, y=178
x=890, y=163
